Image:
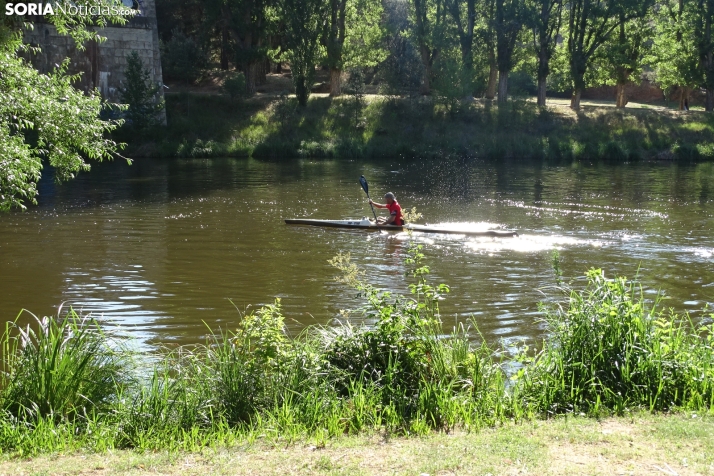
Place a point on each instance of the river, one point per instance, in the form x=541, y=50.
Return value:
x=163, y=249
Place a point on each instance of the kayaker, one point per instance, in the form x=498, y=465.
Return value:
x=395, y=211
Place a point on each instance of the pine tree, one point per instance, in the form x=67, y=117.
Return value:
x=140, y=95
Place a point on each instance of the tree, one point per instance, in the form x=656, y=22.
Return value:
x=140, y=95
x=624, y=53
x=673, y=54
x=488, y=36
x=243, y=26
x=545, y=20
x=463, y=13
x=590, y=24
x=353, y=38
x=509, y=22
x=42, y=116
x=704, y=16
x=183, y=57
x=304, y=23
x=429, y=25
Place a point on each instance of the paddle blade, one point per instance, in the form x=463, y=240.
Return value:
x=365, y=186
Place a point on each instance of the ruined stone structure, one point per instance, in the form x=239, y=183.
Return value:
x=103, y=64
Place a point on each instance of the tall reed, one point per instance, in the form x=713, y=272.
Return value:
x=60, y=368
x=612, y=350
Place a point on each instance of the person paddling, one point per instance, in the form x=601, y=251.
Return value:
x=395, y=211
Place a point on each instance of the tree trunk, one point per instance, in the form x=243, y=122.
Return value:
x=224, y=49
x=542, y=89
x=425, y=87
x=492, y=76
x=335, y=82
x=575, y=100
x=502, y=87
x=684, y=99
x=262, y=70
x=621, y=95
x=709, y=105
x=250, y=73
x=302, y=90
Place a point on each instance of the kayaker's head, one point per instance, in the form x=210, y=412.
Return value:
x=390, y=198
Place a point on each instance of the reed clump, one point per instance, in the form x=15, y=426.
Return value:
x=66, y=385
x=610, y=350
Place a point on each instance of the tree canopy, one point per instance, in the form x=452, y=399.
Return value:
x=43, y=118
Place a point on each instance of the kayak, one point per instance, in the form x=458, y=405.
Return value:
x=365, y=224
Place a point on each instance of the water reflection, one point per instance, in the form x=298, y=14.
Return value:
x=159, y=248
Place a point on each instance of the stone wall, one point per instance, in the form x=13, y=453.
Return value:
x=102, y=65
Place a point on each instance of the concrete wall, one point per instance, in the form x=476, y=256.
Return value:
x=102, y=64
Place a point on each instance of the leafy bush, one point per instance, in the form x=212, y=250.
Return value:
x=64, y=388
x=235, y=86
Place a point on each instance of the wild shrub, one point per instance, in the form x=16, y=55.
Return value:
x=234, y=86
x=611, y=350
x=404, y=356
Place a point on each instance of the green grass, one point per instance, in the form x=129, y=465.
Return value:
x=66, y=386
x=638, y=444
x=389, y=127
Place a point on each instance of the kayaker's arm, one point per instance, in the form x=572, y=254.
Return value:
x=378, y=205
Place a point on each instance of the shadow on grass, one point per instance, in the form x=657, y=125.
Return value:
x=399, y=127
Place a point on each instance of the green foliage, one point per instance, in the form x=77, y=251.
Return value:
x=673, y=53
x=304, y=25
x=607, y=350
x=364, y=34
x=234, y=86
x=41, y=116
x=591, y=24
x=611, y=351
x=58, y=369
x=183, y=58
x=356, y=88
x=45, y=117
x=449, y=82
x=140, y=95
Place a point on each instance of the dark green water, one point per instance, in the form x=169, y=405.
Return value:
x=164, y=246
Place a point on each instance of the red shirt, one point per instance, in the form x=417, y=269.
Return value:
x=395, y=209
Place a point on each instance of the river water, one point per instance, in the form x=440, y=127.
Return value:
x=163, y=249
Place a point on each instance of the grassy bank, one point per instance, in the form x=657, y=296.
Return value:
x=388, y=127
x=645, y=444
x=66, y=386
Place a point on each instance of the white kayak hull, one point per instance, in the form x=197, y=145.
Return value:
x=366, y=224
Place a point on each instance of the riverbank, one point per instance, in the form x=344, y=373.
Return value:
x=679, y=444
x=69, y=387
x=210, y=125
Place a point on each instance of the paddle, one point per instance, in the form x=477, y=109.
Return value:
x=365, y=187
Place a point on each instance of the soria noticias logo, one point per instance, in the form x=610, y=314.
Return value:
x=68, y=8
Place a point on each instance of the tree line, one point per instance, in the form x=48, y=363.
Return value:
x=463, y=48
